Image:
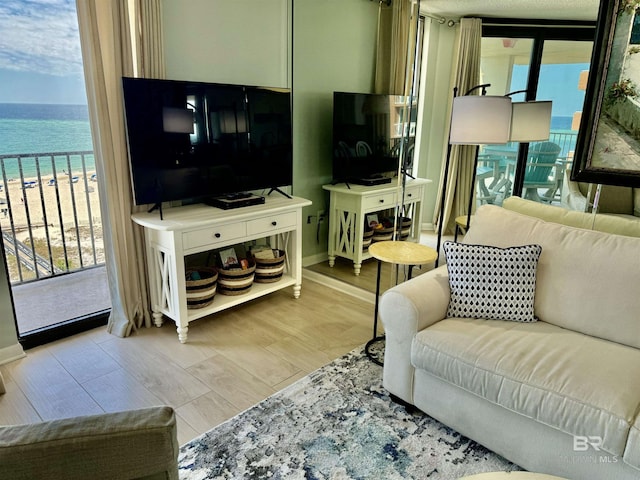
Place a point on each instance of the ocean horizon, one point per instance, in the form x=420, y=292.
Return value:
x=28, y=129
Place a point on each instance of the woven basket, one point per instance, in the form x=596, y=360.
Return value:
x=366, y=239
x=236, y=281
x=382, y=234
x=269, y=270
x=405, y=228
x=200, y=293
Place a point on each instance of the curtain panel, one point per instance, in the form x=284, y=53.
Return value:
x=461, y=160
x=110, y=51
x=396, y=46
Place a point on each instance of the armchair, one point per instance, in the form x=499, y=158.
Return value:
x=137, y=444
x=614, y=200
x=543, y=171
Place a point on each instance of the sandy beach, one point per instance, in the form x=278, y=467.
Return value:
x=54, y=209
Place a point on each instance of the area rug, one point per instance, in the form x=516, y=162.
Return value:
x=336, y=423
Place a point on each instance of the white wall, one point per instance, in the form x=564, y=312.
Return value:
x=228, y=41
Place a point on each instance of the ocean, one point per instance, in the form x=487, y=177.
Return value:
x=28, y=129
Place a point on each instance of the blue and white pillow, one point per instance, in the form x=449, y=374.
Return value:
x=491, y=282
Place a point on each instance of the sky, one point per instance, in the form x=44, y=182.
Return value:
x=40, y=58
x=558, y=83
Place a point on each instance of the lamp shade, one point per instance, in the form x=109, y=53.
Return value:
x=530, y=121
x=480, y=120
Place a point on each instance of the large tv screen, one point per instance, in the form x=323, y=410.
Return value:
x=194, y=140
x=370, y=132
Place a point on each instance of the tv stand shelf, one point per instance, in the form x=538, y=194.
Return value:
x=198, y=228
x=350, y=204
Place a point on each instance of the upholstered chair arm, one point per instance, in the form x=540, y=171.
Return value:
x=137, y=444
x=405, y=310
x=572, y=197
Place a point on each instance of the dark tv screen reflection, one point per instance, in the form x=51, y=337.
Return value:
x=370, y=133
x=195, y=140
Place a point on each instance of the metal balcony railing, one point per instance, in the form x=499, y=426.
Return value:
x=49, y=214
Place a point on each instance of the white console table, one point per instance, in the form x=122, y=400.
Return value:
x=350, y=204
x=198, y=228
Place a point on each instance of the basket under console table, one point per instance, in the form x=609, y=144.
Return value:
x=199, y=228
x=349, y=205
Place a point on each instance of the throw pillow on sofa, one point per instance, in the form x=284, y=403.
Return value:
x=491, y=282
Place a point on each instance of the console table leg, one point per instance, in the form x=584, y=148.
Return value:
x=332, y=260
x=296, y=290
x=157, y=319
x=182, y=334
x=356, y=268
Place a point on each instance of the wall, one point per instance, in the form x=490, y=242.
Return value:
x=10, y=349
x=249, y=42
x=333, y=50
x=239, y=41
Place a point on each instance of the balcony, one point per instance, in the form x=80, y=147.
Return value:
x=52, y=236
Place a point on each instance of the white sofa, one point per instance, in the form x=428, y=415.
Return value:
x=558, y=396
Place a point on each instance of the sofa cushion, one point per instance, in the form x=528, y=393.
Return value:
x=492, y=283
x=572, y=382
x=619, y=224
x=586, y=281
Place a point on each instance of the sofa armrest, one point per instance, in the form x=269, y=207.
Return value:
x=125, y=445
x=405, y=310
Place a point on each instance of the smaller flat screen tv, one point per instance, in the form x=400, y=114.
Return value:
x=370, y=132
x=195, y=141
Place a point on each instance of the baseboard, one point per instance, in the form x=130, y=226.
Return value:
x=313, y=259
x=11, y=353
x=341, y=286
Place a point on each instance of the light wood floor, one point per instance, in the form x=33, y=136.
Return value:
x=232, y=360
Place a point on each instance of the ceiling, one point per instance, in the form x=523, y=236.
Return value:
x=583, y=10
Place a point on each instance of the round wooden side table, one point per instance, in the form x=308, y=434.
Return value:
x=398, y=253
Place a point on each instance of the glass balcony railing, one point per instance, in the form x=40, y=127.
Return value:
x=49, y=214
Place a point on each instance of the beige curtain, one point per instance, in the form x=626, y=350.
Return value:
x=108, y=54
x=467, y=76
x=395, y=50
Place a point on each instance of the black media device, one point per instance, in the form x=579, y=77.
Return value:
x=369, y=133
x=195, y=141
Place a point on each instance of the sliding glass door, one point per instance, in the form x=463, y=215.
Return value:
x=539, y=63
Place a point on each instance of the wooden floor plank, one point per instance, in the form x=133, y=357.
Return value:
x=15, y=408
x=166, y=380
x=83, y=360
x=207, y=411
x=237, y=385
x=118, y=391
x=52, y=391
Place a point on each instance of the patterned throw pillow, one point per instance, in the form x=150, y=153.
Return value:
x=491, y=282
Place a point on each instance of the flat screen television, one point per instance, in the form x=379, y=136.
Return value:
x=195, y=140
x=370, y=132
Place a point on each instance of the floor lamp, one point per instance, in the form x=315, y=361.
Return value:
x=475, y=120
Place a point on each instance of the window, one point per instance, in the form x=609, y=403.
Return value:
x=542, y=63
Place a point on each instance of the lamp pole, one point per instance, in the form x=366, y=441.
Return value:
x=446, y=174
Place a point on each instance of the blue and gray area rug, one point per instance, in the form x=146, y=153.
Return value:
x=337, y=423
